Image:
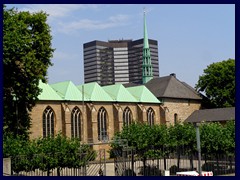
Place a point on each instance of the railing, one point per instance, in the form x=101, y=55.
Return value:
x=93, y=164
x=129, y=163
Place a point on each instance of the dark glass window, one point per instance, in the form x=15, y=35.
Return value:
x=48, y=122
x=150, y=116
x=76, y=123
x=102, y=125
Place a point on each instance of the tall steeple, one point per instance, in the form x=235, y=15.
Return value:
x=147, y=73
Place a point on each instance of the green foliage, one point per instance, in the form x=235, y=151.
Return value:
x=218, y=139
x=159, y=140
x=218, y=83
x=182, y=134
x=46, y=153
x=138, y=135
x=26, y=58
x=210, y=135
x=229, y=133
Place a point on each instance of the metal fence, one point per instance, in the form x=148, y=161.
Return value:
x=127, y=162
x=94, y=165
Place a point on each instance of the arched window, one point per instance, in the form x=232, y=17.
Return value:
x=150, y=116
x=102, y=124
x=175, y=118
x=76, y=123
x=48, y=122
x=127, y=117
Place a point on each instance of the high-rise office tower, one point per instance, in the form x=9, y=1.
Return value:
x=121, y=61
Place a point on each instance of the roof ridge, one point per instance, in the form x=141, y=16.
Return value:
x=167, y=86
x=190, y=87
x=119, y=89
x=46, y=88
x=68, y=89
x=112, y=94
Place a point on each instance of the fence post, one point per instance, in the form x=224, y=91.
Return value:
x=198, y=148
x=105, y=167
x=132, y=160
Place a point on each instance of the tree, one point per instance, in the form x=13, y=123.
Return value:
x=218, y=83
x=46, y=154
x=161, y=141
x=217, y=141
x=183, y=141
x=26, y=58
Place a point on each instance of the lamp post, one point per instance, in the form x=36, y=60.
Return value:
x=17, y=114
x=83, y=112
x=198, y=148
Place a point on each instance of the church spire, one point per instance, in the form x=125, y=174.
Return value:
x=147, y=73
x=145, y=43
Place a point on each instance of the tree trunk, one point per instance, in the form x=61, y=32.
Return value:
x=191, y=162
x=165, y=163
x=218, y=170
x=144, y=166
x=58, y=171
x=178, y=159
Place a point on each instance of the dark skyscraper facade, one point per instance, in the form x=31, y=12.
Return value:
x=121, y=61
x=117, y=61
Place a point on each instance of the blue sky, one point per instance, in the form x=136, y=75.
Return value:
x=190, y=36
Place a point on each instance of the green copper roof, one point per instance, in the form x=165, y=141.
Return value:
x=47, y=92
x=147, y=72
x=142, y=94
x=119, y=93
x=95, y=92
x=145, y=35
x=68, y=91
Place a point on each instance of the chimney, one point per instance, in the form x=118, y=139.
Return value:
x=173, y=74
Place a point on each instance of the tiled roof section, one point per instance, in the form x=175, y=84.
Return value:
x=212, y=115
x=47, y=92
x=68, y=91
x=95, y=92
x=170, y=87
x=119, y=93
x=126, y=85
x=142, y=94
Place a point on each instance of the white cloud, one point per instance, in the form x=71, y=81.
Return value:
x=118, y=18
x=87, y=24
x=57, y=10
x=57, y=13
x=63, y=56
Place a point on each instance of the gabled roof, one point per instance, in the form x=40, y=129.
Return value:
x=171, y=87
x=68, y=91
x=95, y=92
x=142, y=94
x=212, y=115
x=119, y=93
x=47, y=92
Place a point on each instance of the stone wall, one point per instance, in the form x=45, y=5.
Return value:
x=163, y=114
x=182, y=107
x=6, y=166
x=89, y=116
x=37, y=116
